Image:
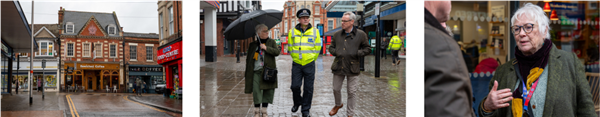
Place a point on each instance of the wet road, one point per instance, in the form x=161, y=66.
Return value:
x=222, y=89
x=107, y=104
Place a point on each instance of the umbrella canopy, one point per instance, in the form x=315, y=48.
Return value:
x=243, y=27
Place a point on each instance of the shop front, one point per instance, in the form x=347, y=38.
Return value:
x=48, y=75
x=92, y=76
x=170, y=57
x=150, y=74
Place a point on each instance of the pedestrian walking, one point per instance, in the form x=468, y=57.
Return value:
x=144, y=87
x=139, y=87
x=447, y=84
x=39, y=84
x=262, y=53
x=17, y=85
x=348, y=46
x=395, y=45
x=305, y=45
x=384, y=45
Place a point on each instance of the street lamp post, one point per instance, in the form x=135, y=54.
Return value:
x=31, y=57
x=43, y=77
x=377, y=41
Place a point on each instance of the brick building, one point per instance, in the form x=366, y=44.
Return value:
x=140, y=59
x=92, y=49
x=169, y=53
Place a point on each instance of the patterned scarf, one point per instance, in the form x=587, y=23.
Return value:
x=530, y=67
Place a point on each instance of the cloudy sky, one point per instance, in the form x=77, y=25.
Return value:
x=273, y=4
x=140, y=16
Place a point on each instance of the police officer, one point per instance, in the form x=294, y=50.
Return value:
x=395, y=45
x=305, y=45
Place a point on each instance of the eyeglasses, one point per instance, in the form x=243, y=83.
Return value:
x=517, y=29
x=346, y=20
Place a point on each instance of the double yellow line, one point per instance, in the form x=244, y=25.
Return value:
x=72, y=106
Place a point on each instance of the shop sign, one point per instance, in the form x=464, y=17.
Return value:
x=146, y=69
x=169, y=53
x=81, y=66
x=564, y=6
x=91, y=66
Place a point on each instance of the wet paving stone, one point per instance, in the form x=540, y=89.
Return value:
x=222, y=89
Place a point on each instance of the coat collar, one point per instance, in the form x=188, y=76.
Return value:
x=351, y=32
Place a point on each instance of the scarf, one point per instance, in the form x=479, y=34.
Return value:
x=530, y=67
x=257, y=52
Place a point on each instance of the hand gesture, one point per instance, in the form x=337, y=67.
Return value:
x=497, y=98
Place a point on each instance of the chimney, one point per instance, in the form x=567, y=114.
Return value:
x=60, y=19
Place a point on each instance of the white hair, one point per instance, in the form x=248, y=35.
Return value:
x=538, y=15
x=352, y=16
x=260, y=27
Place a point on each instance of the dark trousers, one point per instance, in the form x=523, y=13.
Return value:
x=306, y=73
x=383, y=54
x=139, y=90
x=395, y=56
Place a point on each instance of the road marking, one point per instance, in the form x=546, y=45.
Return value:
x=125, y=97
x=72, y=106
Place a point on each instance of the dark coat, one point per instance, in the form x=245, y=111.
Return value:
x=567, y=93
x=269, y=57
x=447, y=85
x=348, y=49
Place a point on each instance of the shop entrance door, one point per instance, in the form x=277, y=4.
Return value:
x=175, y=73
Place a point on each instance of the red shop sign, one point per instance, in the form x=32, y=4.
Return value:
x=169, y=53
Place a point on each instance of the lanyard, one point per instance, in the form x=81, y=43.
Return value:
x=527, y=95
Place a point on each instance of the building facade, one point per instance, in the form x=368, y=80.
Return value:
x=140, y=59
x=92, y=50
x=46, y=37
x=169, y=53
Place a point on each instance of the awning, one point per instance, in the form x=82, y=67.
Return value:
x=394, y=13
x=210, y=4
x=16, y=32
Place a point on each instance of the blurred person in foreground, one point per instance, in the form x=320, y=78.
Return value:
x=447, y=85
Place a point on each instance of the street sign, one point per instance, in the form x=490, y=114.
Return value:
x=43, y=63
x=377, y=8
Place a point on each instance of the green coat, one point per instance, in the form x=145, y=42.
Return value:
x=270, y=61
x=567, y=93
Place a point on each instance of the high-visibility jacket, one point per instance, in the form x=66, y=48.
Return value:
x=395, y=43
x=304, y=47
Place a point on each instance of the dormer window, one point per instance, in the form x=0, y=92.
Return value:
x=70, y=27
x=112, y=29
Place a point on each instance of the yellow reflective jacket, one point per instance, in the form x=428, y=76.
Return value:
x=304, y=47
x=395, y=43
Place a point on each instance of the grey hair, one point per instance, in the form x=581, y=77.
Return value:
x=260, y=26
x=538, y=15
x=352, y=15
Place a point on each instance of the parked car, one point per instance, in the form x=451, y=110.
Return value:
x=160, y=88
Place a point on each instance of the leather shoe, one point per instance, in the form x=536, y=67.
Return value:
x=307, y=115
x=295, y=108
x=335, y=110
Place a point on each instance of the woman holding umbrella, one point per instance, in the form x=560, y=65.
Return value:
x=265, y=50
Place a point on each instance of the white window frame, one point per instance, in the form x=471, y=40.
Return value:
x=317, y=21
x=70, y=25
x=96, y=49
x=110, y=51
x=23, y=54
x=72, y=49
x=89, y=49
x=286, y=26
x=114, y=31
x=171, y=30
x=133, y=52
x=151, y=53
x=317, y=10
x=330, y=26
x=160, y=21
x=48, y=50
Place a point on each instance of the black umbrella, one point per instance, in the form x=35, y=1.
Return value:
x=243, y=27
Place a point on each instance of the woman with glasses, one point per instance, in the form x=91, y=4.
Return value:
x=542, y=80
x=265, y=50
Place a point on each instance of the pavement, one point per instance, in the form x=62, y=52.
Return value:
x=57, y=104
x=222, y=89
x=159, y=101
